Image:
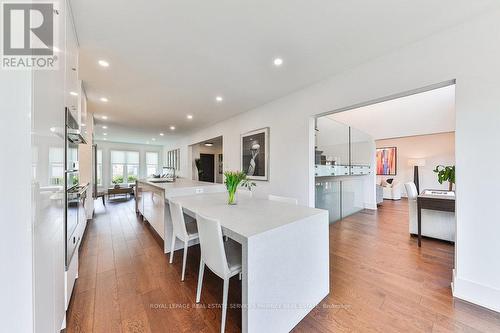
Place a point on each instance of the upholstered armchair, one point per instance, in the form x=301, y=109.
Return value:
x=392, y=191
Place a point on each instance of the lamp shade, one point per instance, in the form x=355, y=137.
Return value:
x=416, y=162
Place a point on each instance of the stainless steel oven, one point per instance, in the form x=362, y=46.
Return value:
x=74, y=194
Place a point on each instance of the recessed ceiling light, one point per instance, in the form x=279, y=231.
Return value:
x=278, y=62
x=103, y=99
x=84, y=125
x=104, y=134
x=72, y=93
x=104, y=127
x=219, y=99
x=209, y=144
x=161, y=134
x=189, y=116
x=103, y=63
x=52, y=129
x=172, y=128
x=104, y=117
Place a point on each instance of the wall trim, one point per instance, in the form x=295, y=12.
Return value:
x=479, y=294
x=370, y=206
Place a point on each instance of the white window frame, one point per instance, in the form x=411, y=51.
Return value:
x=125, y=165
x=173, y=159
x=100, y=170
x=156, y=166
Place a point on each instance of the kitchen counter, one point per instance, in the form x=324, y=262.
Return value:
x=151, y=201
x=179, y=183
x=285, y=256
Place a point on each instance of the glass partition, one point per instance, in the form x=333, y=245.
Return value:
x=332, y=140
x=352, y=196
x=362, y=148
x=328, y=197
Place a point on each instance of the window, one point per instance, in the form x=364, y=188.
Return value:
x=56, y=166
x=99, y=167
x=124, y=166
x=151, y=163
x=173, y=158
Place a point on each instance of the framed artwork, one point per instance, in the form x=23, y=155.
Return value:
x=255, y=154
x=386, y=161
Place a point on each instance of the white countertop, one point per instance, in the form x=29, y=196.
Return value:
x=177, y=184
x=250, y=216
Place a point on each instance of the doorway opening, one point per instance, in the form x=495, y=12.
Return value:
x=386, y=155
x=207, y=160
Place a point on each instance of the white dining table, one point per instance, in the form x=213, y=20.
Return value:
x=285, y=256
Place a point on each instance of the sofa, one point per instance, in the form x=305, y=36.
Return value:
x=435, y=224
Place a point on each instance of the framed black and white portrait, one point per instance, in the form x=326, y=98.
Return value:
x=255, y=154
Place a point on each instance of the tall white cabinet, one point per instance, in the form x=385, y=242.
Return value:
x=32, y=199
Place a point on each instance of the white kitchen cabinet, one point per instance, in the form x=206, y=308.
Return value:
x=70, y=277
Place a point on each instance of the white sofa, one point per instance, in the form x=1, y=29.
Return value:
x=391, y=191
x=435, y=224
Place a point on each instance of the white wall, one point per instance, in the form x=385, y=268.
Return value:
x=468, y=53
x=108, y=146
x=436, y=149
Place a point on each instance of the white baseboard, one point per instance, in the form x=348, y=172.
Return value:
x=476, y=293
x=370, y=206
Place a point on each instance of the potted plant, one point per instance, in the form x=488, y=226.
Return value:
x=117, y=180
x=233, y=180
x=446, y=173
x=197, y=162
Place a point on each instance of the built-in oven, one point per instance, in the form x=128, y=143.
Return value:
x=74, y=194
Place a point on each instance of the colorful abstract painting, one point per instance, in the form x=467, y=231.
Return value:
x=386, y=161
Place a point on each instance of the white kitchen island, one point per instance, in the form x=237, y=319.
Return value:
x=151, y=203
x=285, y=252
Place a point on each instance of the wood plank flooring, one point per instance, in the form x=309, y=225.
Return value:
x=380, y=281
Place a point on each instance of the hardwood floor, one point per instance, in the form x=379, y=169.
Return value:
x=380, y=281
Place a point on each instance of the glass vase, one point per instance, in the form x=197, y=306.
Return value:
x=232, y=198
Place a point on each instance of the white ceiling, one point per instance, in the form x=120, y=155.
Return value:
x=424, y=113
x=171, y=58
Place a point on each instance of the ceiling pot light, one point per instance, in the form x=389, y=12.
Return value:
x=103, y=63
x=105, y=127
x=72, y=93
x=189, y=116
x=278, y=62
x=161, y=134
x=219, y=99
x=104, y=134
x=209, y=144
x=104, y=117
x=172, y=128
x=103, y=99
